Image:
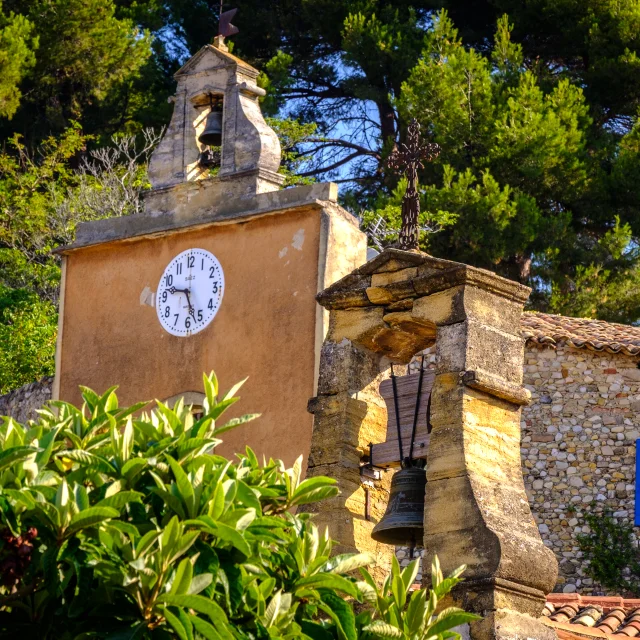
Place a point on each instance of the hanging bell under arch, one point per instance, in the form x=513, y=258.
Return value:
x=212, y=134
x=403, y=521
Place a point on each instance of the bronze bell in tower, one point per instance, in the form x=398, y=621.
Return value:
x=403, y=521
x=212, y=134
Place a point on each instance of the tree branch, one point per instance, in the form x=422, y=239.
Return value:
x=331, y=167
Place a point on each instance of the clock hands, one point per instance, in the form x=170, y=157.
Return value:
x=192, y=311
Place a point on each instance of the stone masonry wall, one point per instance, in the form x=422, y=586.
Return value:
x=21, y=404
x=578, y=446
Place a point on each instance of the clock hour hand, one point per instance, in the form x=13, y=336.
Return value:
x=192, y=311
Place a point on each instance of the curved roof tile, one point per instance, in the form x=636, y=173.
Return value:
x=582, y=333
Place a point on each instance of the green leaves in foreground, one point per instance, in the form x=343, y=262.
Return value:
x=116, y=524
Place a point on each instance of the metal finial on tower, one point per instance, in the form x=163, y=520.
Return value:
x=408, y=158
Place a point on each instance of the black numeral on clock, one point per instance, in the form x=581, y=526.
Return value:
x=215, y=287
x=169, y=279
x=179, y=268
x=176, y=316
x=199, y=315
x=210, y=305
x=190, y=262
x=167, y=312
x=164, y=296
x=187, y=323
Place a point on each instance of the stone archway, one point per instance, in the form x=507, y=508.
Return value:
x=476, y=508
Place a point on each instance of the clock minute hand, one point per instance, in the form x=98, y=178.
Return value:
x=186, y=292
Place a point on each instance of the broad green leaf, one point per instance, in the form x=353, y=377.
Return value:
x=200, y=583
x=328, y=581
x=184, y=544
x=146, y=542
x=346, y=562
x=87, y=459
x=90, y=518
x=182, y=578
x=232, y=392
x=341, y=613
x=174, y=621
x=185, y=487
x=207, y=630
x=449, y=619
x=383, y=630
x=236, y=422
x=12, y=455
x=186, y=623
x=119, y=500
x=200, y=604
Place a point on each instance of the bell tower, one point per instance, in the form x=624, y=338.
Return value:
x=214, y=88
x=219, y=272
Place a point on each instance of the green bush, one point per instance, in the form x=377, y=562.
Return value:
x=123, y=527
x=612, y=553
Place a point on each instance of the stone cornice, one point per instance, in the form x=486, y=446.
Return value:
x=223, y=211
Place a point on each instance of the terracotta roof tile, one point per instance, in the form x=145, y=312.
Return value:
x=576, y=617
x=581, y=333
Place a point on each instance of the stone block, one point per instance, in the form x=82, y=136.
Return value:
x=391, y=292
x=510, y=625
x=471, y=346
x=345, y=367
x=389, y=277
x=356, y=325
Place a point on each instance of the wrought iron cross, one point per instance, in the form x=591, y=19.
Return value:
x=408, y=158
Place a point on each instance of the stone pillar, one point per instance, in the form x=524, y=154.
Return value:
x=476, y=509
x=349, y=413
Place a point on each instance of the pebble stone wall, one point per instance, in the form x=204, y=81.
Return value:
x=578, y=447
x=21, y=404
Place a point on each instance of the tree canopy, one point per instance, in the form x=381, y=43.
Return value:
x=534, y=105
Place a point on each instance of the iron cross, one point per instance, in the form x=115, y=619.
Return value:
x=408, y=158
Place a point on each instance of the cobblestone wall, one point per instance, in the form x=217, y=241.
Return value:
x=578, y=446
x=22, y=403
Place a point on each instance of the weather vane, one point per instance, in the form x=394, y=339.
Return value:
x=408, y=158
x=225, y=28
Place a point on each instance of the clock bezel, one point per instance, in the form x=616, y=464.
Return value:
x=215, y=296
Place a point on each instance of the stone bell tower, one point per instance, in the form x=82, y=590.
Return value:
x=250, y=151
x=219, y=272
x=476, y=508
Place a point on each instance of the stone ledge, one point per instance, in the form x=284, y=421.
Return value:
x=482, y=381
x=222, y=211
x=433, y=276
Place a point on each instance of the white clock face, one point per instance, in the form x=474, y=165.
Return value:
x=190, y=292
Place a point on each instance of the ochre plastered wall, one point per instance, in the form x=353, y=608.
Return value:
x=265, y=329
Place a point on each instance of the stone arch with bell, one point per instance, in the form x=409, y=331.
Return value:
x=476, y=510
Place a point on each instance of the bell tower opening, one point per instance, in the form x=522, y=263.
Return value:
x=210, y=135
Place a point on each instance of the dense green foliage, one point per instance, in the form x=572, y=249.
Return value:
x=28, y=327
x=116, y=526
x=611, y=550
x=535, y=106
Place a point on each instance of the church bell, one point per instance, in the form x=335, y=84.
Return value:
x=212, y=134
x=403, y=521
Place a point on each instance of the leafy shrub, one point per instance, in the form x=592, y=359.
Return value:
x=123, y=527
x=612, y=553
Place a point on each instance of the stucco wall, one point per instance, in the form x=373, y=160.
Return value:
x=265, y=328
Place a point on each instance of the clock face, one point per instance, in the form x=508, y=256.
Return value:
x=190, y=292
